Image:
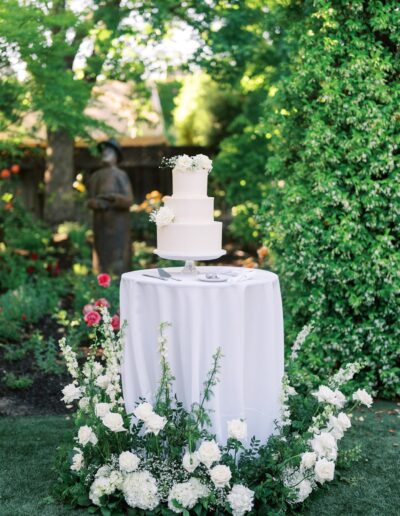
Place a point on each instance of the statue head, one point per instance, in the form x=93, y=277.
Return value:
x=111, y=152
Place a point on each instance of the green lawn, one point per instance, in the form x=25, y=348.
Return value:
x=369, y=487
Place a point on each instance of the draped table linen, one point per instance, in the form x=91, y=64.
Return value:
x=242, y=317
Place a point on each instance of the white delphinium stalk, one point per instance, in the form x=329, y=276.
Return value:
x=241, y=499
x=301, y=337
x=70, y=358
x=345, y=374
x=185, y=495
x=286, y=391
x=140, y=490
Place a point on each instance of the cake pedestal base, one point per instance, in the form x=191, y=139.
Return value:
x=190, y=268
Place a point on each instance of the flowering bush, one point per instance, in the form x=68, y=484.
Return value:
x=164, y=459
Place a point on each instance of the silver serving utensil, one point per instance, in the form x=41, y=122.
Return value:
x=154, y=277
x=166, y=275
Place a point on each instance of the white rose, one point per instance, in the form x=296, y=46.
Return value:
x=308, y=460
x=190, y=461
x=101, y=409
x=339, y=399
x=202, y=162
x=103, y=381
x=344, y=421
x=114, y=422
x=209, y=452
x=71, y=392
x=324, y=470
x=143, y=411
x=155, y=423
x=86, y=435
x=327, y=395
x=240, y=499
x=324, y=444
x=237, y=429
x=183, y=163
x=220, y=475
x=77, y=462
x=363, y=397
x=128, y=462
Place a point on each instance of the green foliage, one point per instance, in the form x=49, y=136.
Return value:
x=334, y=224
x=17, y=382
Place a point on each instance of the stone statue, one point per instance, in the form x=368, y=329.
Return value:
x=110, y=197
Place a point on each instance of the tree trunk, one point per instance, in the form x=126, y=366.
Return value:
x=58, y=177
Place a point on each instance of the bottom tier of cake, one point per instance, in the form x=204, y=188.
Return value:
x=190, y=239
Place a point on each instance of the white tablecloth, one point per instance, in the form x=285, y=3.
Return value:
x=244, y=318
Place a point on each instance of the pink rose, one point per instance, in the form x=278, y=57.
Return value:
x=87, y=308
x=115, y=323
x=102, y=302
x=92, y=318
x=104, y=280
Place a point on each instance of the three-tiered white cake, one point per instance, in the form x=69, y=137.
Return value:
x=185, y=224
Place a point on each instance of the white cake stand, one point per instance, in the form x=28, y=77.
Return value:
x=190, y=267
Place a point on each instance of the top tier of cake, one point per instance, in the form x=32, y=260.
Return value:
x=189, y=185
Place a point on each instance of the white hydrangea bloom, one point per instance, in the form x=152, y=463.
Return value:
x=140, y=490
x=155, y=423
x=186, y=494
x=143, y=411
x=71, y=393
x=220, y=475
x=324, y=444
x=102, y=409
x=324, y=470
x=128, y=462
x=237, y=429
x=304, y=489
x=209, y=452
x=105, y=485
x=363, y=397
x=114, y=422
x=86, y=435
x=162, y=217
x=240, y=499
x=190, y=461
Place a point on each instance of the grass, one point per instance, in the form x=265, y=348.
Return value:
x=369, y=487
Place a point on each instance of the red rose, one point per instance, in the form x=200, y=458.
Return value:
x=115, y=323
x=104, y=280
x=5, y=173
x=87, y=308
x=30, y=270
x=92, y=318
x=34, y=256
x=102, y=302
x=15, y=169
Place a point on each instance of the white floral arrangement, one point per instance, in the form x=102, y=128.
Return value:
x=165, y=459
x=185, y=163
x=162, y=217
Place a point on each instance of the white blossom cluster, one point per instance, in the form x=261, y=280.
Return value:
x=286, y=391
x=185, y=163
x=162, y=217
x=301, y=337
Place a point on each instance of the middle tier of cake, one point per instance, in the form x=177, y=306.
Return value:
x=197, y=210
x=190, y=240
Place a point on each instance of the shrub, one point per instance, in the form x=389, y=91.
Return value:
x=333, y=215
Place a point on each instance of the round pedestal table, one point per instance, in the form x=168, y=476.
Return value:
x=243, y=315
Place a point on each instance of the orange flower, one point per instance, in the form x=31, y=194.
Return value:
x=15, y=169
x=262, y=252
x=8, y=206
x=5, y=173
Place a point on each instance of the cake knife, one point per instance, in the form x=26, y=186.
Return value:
x=166, y=275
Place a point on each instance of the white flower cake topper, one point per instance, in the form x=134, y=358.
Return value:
x=185, y=163
x=162, y=217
